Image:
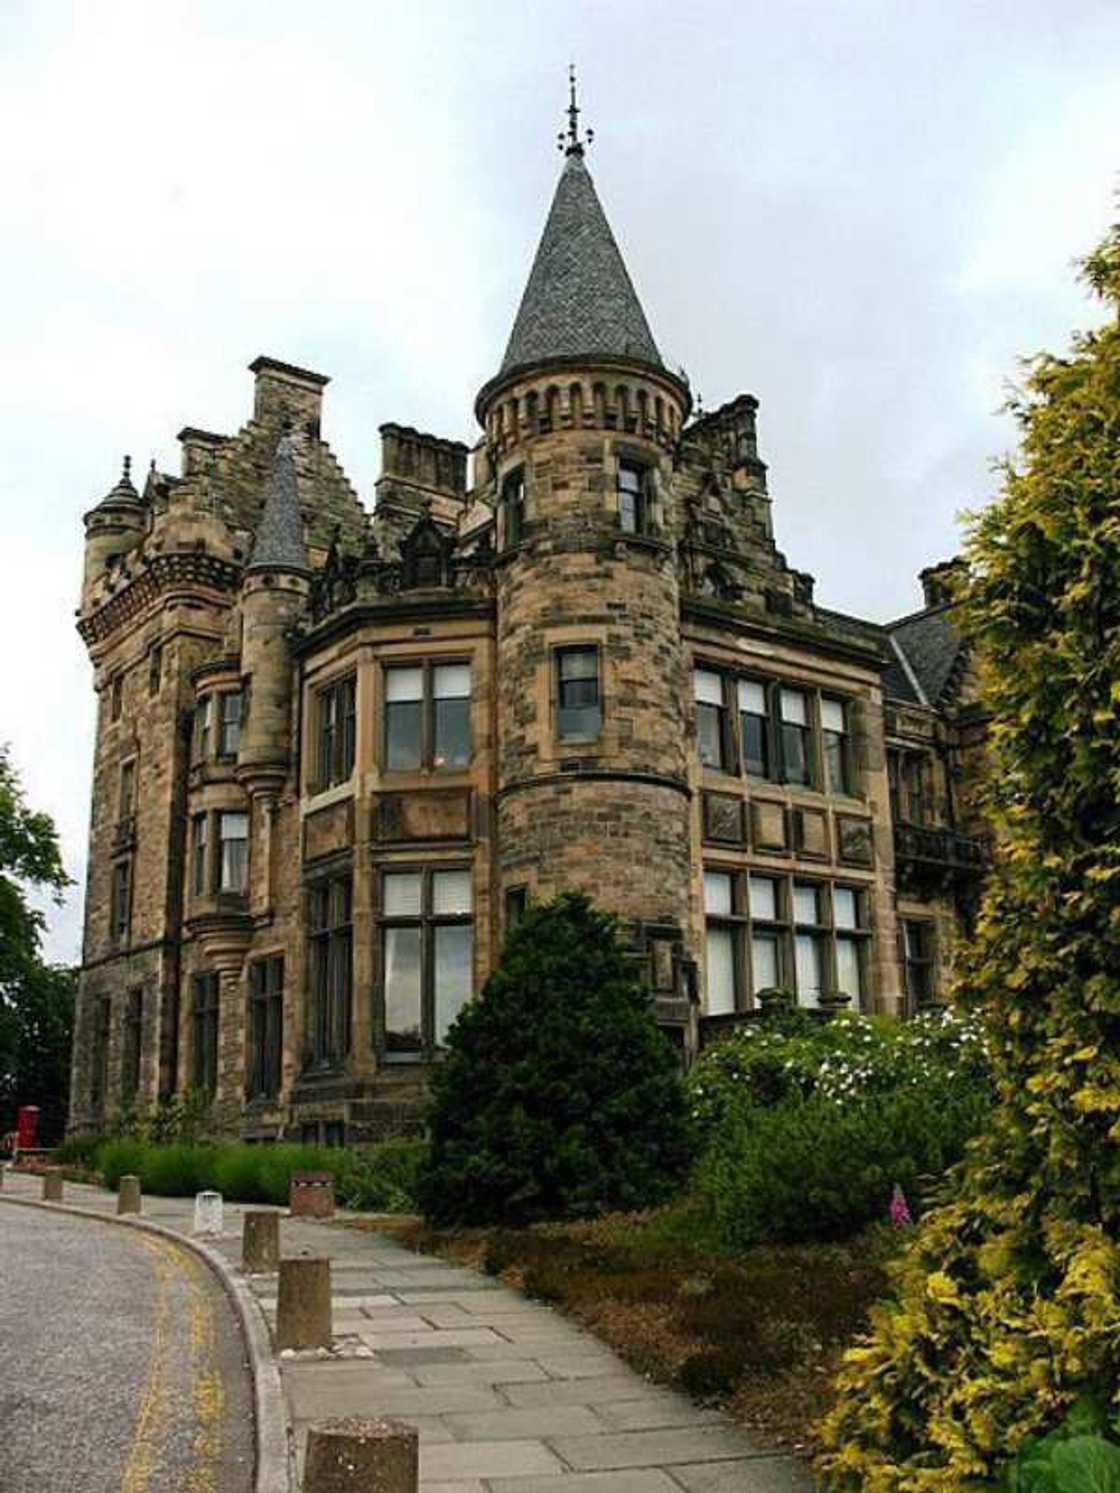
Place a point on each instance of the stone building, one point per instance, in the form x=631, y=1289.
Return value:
x=338, y=749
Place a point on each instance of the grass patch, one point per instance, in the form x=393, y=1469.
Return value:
x=759, y=1332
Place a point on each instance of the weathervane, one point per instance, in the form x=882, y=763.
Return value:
x=568, y=140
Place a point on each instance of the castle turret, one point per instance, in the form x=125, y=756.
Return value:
x=114, y=527
x=581, y=422
x=274, y=594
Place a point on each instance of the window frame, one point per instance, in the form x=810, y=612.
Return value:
x=116, y=696
x=335, y=706
x=330, y=982
x=221, y=840
x=513, y=508
x=785, y=928
x=126, y=790
x=264, y=1029
x=120, y=900
x=567, y=650
x=155, y=669
x=102, y=1039
x=206, y=1005
x=428, y=665
x=926, y=962
x=225, y=753
x=132, y=1045
x=639, y=493
x=427, y=921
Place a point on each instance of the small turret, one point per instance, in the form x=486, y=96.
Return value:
x=115, y=526
x=275, y=592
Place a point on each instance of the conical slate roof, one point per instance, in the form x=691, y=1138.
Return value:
x=279, y=542
x=579, y=300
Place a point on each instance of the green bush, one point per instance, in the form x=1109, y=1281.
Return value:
x=380, y=1177
x=818, y=1169
x=559, y=1097
x=849, y=1057
x=78, y=1150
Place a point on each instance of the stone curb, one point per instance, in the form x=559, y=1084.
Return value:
x=274, y=1462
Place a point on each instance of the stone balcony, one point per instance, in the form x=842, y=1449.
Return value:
x=935, y=858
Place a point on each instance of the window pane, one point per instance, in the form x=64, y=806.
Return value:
x=793, y=708
x=720, y=972
x=848, y=978
x=764, y=962
x=402, y=894
x=402, y=990
x=230, y=726
x=629, y=477
x=832, y=715
x=717, y=893
x=707, y=687
x=835, y=765
x=451, y=681
x=404, y=684
x=402, y=735
x=795, y=753
x=452, y=732
x=845, y=907
x=451, y=891
x=709, y=735
x=628, y=512
x=808, y=954
x=917, y=943
x=752, y=697
x=805, y=908
x=763, y=898
x=756, y=752
x=579, y=663
x=452, y=974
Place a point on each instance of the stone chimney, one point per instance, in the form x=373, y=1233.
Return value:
x=286, y=393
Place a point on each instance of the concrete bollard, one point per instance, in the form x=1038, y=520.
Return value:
x=52, y=1186
x=311, y=1195
x=303, y=1304
x=260, y=1243
x=128, y=1194
x=208, y=1213
x=358, y=1456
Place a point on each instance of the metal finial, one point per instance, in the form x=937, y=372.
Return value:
x=569, y=140
x=127, y=469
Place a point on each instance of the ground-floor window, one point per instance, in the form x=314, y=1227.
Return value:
x=426, y=955
x=332, y=950
x=99, y=1073
x=133, y=1035
x=768, y=932
x=266, y=1018
x=917, y=954
x=206, y=1007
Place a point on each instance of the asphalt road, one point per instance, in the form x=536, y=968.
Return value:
x=121, y=1363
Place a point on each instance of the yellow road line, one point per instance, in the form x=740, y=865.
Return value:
x=151, y=1423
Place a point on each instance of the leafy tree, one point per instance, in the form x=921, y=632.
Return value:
x=36, y=999
x=559, y=1097
x=1007, y=1305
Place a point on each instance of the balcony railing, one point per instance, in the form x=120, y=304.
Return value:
x=923, y=853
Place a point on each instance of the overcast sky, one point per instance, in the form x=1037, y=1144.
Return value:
x=862, y=213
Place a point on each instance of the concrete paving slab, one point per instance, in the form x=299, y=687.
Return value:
x=534, y=1424
x=617, y=1386
x=505, y=1371
x=651, y=1448
x=450, y=1337
x=755, y=1475
x=647, y=1480
x=656, y=1414
x=410, y=1358
x=487, y=1459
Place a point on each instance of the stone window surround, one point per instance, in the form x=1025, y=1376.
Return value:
x=785, y=925
x=556, y=646
x=513, y=507
x=428, y=663
x=426, y=920
x=206, y=729
x=773, y=685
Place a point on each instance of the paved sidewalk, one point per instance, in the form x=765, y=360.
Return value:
x=508, y=1396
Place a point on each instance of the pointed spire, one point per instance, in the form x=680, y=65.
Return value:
x=124, y=491
x=579, y=301
x=279, y=542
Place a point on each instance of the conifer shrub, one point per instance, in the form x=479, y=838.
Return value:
x=1006, y=1309
x=559, y=1097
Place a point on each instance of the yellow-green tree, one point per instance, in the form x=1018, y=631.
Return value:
x=1007, y=1302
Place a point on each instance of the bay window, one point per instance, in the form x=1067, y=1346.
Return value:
x=426, y=956
x=336, y=707
x=428, y=716
x=233, y=865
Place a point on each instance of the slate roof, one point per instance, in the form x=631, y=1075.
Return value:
x=279, y=540
x=579, y=300
x=934, y=650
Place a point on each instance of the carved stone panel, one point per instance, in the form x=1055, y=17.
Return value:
x=768, y=824
x=432, y=814
x=811, y=832
x=328, y=830
x=723, y=818
x=854, y=841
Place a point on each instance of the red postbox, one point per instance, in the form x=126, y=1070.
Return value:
x=27, y=1124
